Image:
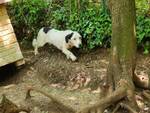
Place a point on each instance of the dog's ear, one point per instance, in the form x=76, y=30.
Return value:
x=68, y=37
x=46, y=29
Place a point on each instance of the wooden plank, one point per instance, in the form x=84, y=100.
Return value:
x=8, y=42
x=19, y=62
x=8, y=47
x=4, y=17
x=7, y=39
x=3, y=10
x=8, y=51
x=4, y=1
x=6, y=32
x=5, y=27
x=4, y=20
x=11, y=58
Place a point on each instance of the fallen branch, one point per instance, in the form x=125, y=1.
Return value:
x=107, y=101
x=146, y=94
x=7, y=106
x=125, y=106
x=55, y=101
x=128, y=108
x=116, y=108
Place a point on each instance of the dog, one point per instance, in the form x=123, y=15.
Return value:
x=63, y=40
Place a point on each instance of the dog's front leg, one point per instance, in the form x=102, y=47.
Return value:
x=69, y=54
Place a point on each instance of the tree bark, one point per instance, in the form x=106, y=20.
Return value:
x=123, y=47
x=122, y=62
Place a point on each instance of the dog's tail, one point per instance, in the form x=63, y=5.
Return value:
x=34, y=42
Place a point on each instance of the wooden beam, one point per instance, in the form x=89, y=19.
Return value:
x=3, y=10
x=4, y=20
x=4, y=1
x=10, y=59
x=10, y=53
x=8, y=37
x=6, y=27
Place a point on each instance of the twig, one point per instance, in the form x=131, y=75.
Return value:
x=146, y=94
x=116, y=108
x=128, y=108
x=53, y=99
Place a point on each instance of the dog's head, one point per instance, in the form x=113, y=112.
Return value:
x=74, y=39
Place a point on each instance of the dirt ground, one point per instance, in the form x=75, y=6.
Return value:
x=75, y=84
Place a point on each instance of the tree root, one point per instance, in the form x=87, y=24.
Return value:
x=146, y=94
x=125, y=106
x=99, y=107
x=106, y=102
x=7, y=106
x=128, y=108
x=55, y=101
x=122, y=92
x=141, y=81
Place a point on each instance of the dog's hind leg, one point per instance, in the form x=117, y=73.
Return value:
x=35, y=45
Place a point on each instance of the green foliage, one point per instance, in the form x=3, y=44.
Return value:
x=143, y=33
x=28, y=16
x=142, y=6
x=92, y=21
x=94, y=25
x=59, y=18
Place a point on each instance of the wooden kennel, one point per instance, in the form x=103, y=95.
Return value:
x=9, y=48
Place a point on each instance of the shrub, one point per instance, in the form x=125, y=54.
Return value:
x=28, y=16
x=93, y=22
x=143, y=33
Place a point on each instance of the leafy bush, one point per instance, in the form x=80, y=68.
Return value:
x=28, y=16
x=93, y=22
x=142, y=6
x=143, y=33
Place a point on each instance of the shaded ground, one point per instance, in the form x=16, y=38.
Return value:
x=76, y=84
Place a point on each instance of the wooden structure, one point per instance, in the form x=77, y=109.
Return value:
x=9, y=48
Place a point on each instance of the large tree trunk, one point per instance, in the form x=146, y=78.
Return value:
x=122, y=59
x=123, y=47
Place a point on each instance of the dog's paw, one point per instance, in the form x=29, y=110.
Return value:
x=36, y=52
x=67, y=57
x=73, y=58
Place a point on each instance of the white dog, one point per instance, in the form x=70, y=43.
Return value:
x=63, y=40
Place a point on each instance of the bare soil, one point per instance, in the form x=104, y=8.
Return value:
x=76, y=84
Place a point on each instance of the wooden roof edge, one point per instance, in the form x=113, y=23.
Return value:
x=4, y=1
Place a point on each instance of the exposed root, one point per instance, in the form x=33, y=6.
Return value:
x=7, y=106
x=146, y=94
x=141, y=81
x=106, y=102
x=55, y=101
x=128, y=108
x=28, y=94
x=116, y=108
x=125, y=106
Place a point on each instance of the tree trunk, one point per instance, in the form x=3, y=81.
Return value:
x=122, y=60
x=123, y=46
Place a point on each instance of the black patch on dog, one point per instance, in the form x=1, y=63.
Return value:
x=67, y=38
x=46, y=29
